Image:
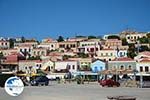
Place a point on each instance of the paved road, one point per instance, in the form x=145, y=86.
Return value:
x=73, y=91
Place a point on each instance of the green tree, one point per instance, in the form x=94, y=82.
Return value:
x=11, y=43
x=113, y=37
x=23, y=39
x=34, y=58
x=92, y=37
x=144, y=48
x=1, y=55
x=65, y=57
x=124, y=41
x=80, y=36
x=131, y=51
x=83, y=55
x=148, y=35
x=144, y=40
x=60, y=39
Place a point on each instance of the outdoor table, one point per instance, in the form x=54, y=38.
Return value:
x=121, y=98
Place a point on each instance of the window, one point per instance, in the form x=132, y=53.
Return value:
x=73, y=45
x=146, y=69
x=87, y=49
x=101, y=54
x=96, y=49
x=121, y=54
x=106, y=54
x=111, y=54
x=78, y=67
x=130, y=67
x=61, y=45
x=92, y=49
x=73, y=66
x=122, y=67
x=68, y=66
x=141, y=69
x=135, y=37
x=67, y=46
x=25, y=50
x=5, y=43
x=2, y=43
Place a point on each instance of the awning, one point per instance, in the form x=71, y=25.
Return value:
x=115, y=71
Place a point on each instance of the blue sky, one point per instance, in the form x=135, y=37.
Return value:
x=51, y=18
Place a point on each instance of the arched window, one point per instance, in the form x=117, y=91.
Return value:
x=121, y=67
x=129, y=67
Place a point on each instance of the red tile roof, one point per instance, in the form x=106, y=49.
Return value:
x=145, y=60
x=145, y=53
x=123, y=59
x=30, y=61
x=55, y=54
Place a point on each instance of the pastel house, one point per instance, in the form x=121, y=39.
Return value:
x=97, y=66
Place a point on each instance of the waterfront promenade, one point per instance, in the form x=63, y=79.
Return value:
x=72, y=91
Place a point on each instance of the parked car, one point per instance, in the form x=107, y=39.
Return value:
x=41, y=80
x=109, y=83
x=3, y=78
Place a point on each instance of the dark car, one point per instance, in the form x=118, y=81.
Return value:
x=41, y=80
x=109, y=83
x=3, y=78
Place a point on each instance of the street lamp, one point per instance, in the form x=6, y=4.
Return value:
x=30, y=67
x=134, y=72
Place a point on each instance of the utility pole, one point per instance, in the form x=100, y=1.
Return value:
x=141, y=76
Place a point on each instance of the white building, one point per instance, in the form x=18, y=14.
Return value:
x=132, y=38
x=33, y=44
x=27, y=65
x=4, y=44
x=48, y=65
x=24, y=49
x=143, y=65
x=7, y=52
x=71, y=65
x=110, y=54
x=39, y=52
x=49, y=45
